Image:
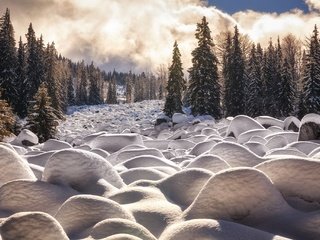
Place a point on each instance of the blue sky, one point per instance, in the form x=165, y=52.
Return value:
x=279, y=6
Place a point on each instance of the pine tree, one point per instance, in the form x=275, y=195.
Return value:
x=94, y=91
x=254, y=103
x=22, y=101
x=35, y=62
x=226, y=66
x=112, y=92
x=51, y=78
x=204, y=87
x=286, y=95
x=42, y=119
x=129, y=87
x=176, y=84
x=270, y=79
x=235, y=88
x=7, y=120
x=8, y=60
x=311, y=76
x=70, y=92
x=82, y=96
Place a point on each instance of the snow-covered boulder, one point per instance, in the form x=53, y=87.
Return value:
x=257, y=148
x=235, y=154
x=26, y=138
x=80, y=170
x=39, y=159
x=53, y=144
x=135, y=174
x=116, y=226
x=181, y=144
x=80, y=213
x=268, y=121
x=310, y=127
x=304, y=146
x=291, y=124
x=202, y=147
x=13, y=167
x=29, y=195
x=241, y=124
x=294, y=177
x=212, y=229
x=246, y=136
x=179, y=118
x=242, y=194
x=183, y=187
x=209, y=162
x=32, y=226
x=114, y=142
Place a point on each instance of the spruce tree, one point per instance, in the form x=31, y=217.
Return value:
x=176, y=84
x=286, y=95
x=42, y=118
x=51, y=78
x=235, y=89
x=311, y=76
x=82, y=96
x=70, y=92
x=226, y=66
x=7, y=120
x=112, y=92
x=94, y=91
x=204, y=88
x=8, y=60
x=254, y=103
x=129, y=87
x=22, y=98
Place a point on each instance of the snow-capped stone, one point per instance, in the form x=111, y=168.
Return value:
x=135, y=174
x=32, y=226
x=53, y=144
x=13, y=166
x=268, y=121
x=80, y=170
x=310, y=127
x=292, y=123
x=179, y=118
x=26, y=138
x=115, y=226
x=114, y=142
x=213, y=229
x=81, y=212
x=241, y=124
x=209, y=162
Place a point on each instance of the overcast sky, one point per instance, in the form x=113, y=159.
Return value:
x=139, y=34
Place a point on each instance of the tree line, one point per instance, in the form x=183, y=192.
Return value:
x=237, y=76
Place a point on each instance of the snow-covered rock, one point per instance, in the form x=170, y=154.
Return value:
x=241, y=124
x=310, y=127
x=179, y=118
x=26, y=138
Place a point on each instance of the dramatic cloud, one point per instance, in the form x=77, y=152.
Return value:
x=139, y=35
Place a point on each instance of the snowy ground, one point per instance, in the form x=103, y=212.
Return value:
x=113, y=175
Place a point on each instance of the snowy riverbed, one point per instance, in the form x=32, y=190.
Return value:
x=113, y=175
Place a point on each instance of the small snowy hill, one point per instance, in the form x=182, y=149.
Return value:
x=114, y=174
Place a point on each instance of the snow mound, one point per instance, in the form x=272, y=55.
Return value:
x=39, y=159
x=179, y=118
x=149, y=161
x=28, y=195
x=156, y=143
x=149, y=207
x=53, y=144
x=183, y=187
x=305, y=147
x=241, y=124
x=310, y=127
x=267, y=122
x=25, y=138
x=292, y=175
x=235, y=154
x=80, y=170
x=116, y=226
x=246, y=136
x=181, y=144
x=257, y=148
x=127, y=154
x=292, y=124
x=135, y=174
x=114, y=142
x=80, y=213
x=202, y=147
x=276, y=141
x=209, y=162
x=13, y=167
x=32, y=226
x=211, y=230
x=239, y=194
